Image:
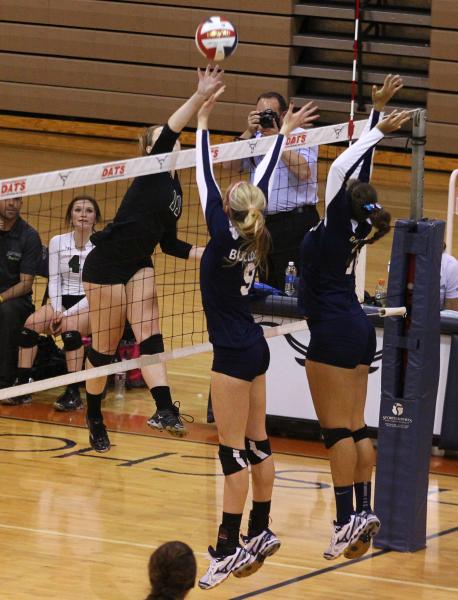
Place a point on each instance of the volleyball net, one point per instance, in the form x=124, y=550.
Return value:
x=46, y=197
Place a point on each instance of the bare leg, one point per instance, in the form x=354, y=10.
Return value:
x=143, y=315
x=262, y=474
x=78, y=322
x=231, y=399
x=107, y=310
x=333, y=392
x=364, y=448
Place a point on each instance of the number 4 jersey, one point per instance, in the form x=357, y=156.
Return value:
x=226, y=271
x=65, y=268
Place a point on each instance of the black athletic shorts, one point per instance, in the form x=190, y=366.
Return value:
x=246, y=363
x=346, y=342
x=69, y=301
x=101, y=269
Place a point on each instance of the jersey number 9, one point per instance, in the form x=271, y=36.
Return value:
x=248, y=276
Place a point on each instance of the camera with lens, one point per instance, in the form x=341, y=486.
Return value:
x=267, y=118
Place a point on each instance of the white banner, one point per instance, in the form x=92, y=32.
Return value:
x=288, y=393
x=147, y=165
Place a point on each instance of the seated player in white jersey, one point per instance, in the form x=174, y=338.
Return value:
x=342, y=339
x=239, y=243
x=67, y=314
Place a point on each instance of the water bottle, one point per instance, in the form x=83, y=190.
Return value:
x=120, y=385
x=290, y=279
x=380, y=293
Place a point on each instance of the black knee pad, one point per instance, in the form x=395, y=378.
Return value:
x=27, y=338
x=257, y=451
x=232, y=459
x=332, y=436
x=97, y=359
x=72, y=340
x=152, y=345
x=360, y=434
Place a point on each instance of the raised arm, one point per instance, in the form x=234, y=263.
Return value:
x=264, y=171
x=54, y=282
x=209, y=82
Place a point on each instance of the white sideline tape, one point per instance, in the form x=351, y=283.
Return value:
x=133, y=363
x=148, y=165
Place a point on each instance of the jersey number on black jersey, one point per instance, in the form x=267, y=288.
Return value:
x=74, y=264
x=175, y=205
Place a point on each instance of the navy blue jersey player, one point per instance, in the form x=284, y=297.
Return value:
x=342, y=339
x=119, y=278
x=238, y=244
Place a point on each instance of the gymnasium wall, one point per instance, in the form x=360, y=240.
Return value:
x=133, y=61
x=442, y=102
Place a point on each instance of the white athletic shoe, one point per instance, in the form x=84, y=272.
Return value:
x=262, y=545
x=241, y=564
x=362, y=543
x=345, y=535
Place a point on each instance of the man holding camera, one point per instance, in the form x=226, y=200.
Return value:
x=291, y=209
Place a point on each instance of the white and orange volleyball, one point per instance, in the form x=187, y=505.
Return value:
x=216, y=38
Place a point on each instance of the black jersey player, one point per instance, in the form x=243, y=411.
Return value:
x=118, y=274
x=238, y=244
x=342, y=340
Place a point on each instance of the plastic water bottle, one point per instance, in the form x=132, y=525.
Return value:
x=120, y=385
x=380, y=293
x=290, y=279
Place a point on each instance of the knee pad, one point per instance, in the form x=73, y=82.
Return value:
x=232, y=459
x=27, y=338
x=72, y=340
x=257, y=451
x=152, y=345
x=97, y=359
x=332, y=436
x=360, y=434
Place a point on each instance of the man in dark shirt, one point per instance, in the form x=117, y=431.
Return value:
x=20, y=257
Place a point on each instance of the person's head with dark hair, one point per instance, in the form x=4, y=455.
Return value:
x=282, y=104
x=365, y=207
x=271, y=107
x=83, y=211
x=172, y=571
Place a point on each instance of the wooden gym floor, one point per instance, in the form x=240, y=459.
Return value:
x=78, y=525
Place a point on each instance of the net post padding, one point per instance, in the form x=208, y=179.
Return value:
x=410, y=376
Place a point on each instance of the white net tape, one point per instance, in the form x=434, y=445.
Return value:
x=127, y=169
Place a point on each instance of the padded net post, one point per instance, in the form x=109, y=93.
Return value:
x=410, y=377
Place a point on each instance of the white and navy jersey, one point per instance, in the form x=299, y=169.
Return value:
x=226, y=272
x=329, y=251
x=449, y=278
x=65, y=270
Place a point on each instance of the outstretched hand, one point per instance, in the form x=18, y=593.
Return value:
x=394, y=121
x=381, y=96
x=210, y=81
x=301, y=118
x=207, y=107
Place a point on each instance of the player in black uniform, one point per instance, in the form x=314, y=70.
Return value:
x=342, y=339
x=239, y=242
x=118, y=274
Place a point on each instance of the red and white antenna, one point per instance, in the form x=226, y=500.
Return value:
x=351, y=122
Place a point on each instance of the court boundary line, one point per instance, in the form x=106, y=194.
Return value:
x=184, y=439
x=337, y=567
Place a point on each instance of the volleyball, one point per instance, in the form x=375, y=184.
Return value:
x=216, y=38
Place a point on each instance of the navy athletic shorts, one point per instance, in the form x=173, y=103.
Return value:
x=245, y=363
x=346, y=342
x=100, y=268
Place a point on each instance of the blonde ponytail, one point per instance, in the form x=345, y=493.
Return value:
x=246, y=211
